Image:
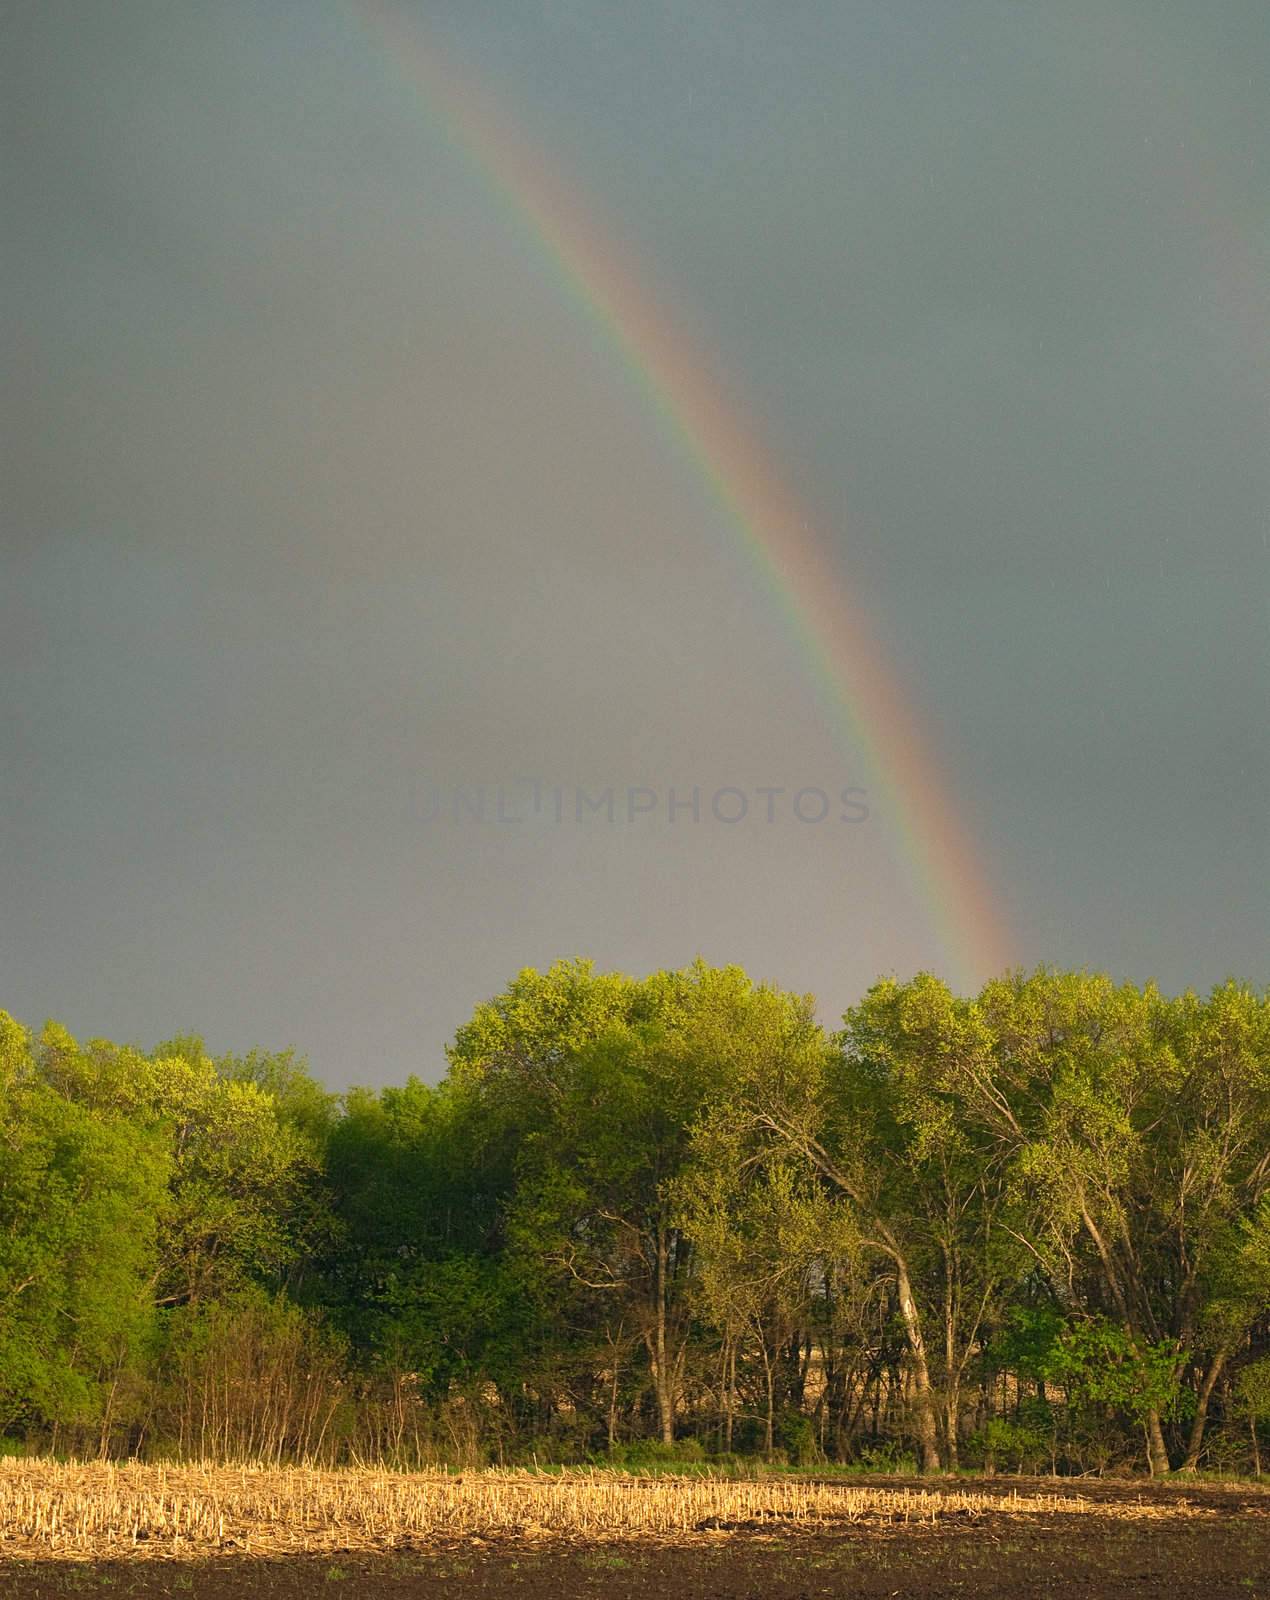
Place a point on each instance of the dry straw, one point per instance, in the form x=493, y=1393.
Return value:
x=68, y=1510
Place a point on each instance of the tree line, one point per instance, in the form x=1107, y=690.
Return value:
x=660, y=1218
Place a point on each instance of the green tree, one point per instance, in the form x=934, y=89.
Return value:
x=80, y=1194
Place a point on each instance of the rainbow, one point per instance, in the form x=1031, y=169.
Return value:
x=861, y=697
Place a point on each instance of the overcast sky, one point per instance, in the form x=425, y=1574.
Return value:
x=322, y=498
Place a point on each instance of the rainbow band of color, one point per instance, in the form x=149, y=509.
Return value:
x=860, y=696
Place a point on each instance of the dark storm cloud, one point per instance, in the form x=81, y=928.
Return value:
x=320, y=491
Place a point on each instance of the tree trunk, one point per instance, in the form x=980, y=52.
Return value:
x=1157, y=1451
x=613, y=1405
x=924, y=1424
x=952, y=1408
x=952, y=1384
x=1196, y=1440
x=731, y=1412
x=663, y=1377
x=769, y=1442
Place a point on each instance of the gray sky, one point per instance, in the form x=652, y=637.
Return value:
x=323, y=498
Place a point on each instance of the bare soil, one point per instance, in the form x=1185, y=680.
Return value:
x=1217, y=1546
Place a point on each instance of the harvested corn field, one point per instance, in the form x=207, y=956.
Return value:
x=48, y=1509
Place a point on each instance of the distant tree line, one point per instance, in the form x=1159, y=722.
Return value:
x=666, y=1218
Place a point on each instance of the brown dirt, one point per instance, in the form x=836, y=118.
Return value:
x=1221, y=1548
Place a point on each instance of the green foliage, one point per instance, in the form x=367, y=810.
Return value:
x=891, y=1457
x=79, y=1196
x=661, y=1221
x=1252, y=1391
x=1028, y=1343
x=643, y=1454
x=1017, y=1446
x=797, y=1435
x=1098, y=1363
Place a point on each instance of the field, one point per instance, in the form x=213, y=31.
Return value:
x=229, y=1532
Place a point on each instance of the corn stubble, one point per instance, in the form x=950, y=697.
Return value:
x=96, y=1509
